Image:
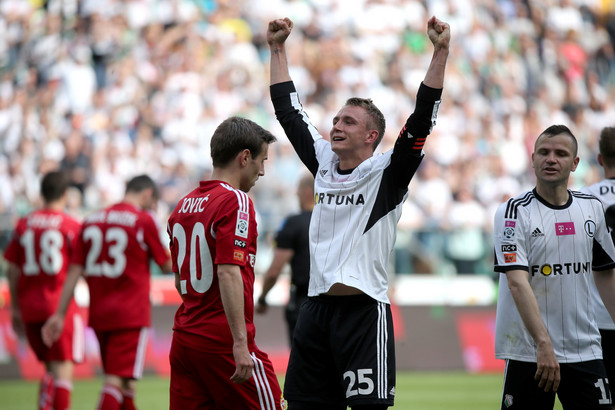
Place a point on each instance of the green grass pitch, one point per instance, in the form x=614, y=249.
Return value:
x=415, y=391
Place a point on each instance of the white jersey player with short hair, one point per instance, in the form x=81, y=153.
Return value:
x=560, y=253
x=605, y=192
x=356, y=221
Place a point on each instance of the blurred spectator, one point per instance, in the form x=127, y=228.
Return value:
x=466, y=242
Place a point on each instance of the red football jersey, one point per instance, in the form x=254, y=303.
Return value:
x=115, y=247
x=214, y=224
x=41, y=246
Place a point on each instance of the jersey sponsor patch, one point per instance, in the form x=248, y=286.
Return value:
x=564, y=228
x=241, y=244
x=252, y=259
x=510, y=257
x=238, y=256
x=509, y=247
x=243, y=223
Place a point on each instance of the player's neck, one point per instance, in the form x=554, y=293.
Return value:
x=57, y=206
x=132, y=199
x=556, y=195
x=230, y=176
x=349, y=160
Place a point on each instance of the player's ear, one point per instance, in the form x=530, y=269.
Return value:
x=575, y=163
x=243, y=157
x=147, y=196
x=372, y=136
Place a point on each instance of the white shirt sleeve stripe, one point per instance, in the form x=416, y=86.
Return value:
x=294, y=98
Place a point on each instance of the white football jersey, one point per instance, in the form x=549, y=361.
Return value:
x=605, y=192
x=559, y=246
x=354, y=221
x=351, y=234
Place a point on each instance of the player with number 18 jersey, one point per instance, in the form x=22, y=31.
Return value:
x=37, y=267
x=41, y=246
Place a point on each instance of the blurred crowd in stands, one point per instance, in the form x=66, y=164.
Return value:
x=109, y=89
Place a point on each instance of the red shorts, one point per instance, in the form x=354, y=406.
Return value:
x=70, y=345
x=202, y=381
x=122, y=352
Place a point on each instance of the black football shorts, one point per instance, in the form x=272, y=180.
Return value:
x=583, y=386
x=342, y=354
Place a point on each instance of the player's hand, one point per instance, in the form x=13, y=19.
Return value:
x=261, y=306
x=243, y=363
x=439, y=33
x=547, y=372
x=18, y=326
x=279, y=30
x=52, y=329
x=260, y=309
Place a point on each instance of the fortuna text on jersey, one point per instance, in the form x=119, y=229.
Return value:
x=322, y=198
x=561, y=269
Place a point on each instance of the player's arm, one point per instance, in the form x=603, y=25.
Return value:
x=440, y=35
x=13, y=277
x=603, y=261
x=288, y=109
x=157, y=249
x=231, y=292
x=52, y=329
x=167, y=266
x=277, y=33
x=605, y=282
x=280, y=258
x=408, y=149
x=174, y=268
x=178, y=285
x=548, y=372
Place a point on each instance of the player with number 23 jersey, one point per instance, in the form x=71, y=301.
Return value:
x=115, y=247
